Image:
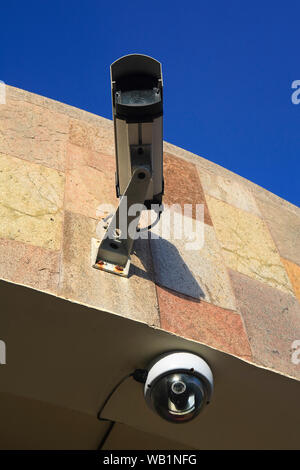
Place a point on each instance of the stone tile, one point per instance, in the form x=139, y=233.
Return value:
x=31, y=203
x=95, y=137
x=211, y=167
x=29, y=265
x=262, y=194
x=284, y=226
x=293, y=271
x=272, y=321
x=195, y=270
x=203, y=322
x=182, y=185
x=132, y=297
x=90, y=181
x=33, y=133
x=78, y=157
x=204, y=164
x=13, y=93
x=228, y=190
x=247, y=245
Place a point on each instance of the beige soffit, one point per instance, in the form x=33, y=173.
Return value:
x=70, y=356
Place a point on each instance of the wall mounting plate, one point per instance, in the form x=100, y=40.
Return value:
x=104, y=265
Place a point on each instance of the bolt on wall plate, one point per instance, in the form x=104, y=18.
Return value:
x=104, y=265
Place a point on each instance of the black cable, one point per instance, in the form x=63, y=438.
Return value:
x=106, y=435
x=143, y=229
x=140, y=375
x=112, y=423
x=110, y=395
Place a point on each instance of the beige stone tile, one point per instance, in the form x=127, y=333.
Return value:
x=90, y=181
x=247, y=245
x=228, y=190
x=271, y=320
x=29, y=265
x=95, y=137
x=31, y=203
x=284, y=226
x=33, y=133
x=133, y=297
x=198, y=272
x=265, y=196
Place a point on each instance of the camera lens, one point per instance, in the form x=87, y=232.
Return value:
x=178, y=387
x=178, y=397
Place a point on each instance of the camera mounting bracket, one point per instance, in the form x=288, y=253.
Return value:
x=114, y=251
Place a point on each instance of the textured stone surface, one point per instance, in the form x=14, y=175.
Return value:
x=17, y=94
x=29, y=265
x=31, y=203
x=263, y=195
x=206, y=165
x=272, y=321
x=247, y=245
x=95, y=137
x=90, y=180
x=132, y=298
x=198, y=272
x=40, y=139
x=33, y=133
x=284, y=226
x=293, y=271
x=211, y=167
x=182, y=185
x=200, y=321
x=229, y=191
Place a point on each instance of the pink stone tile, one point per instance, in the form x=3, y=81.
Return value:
x=17, y=94
x=79, y=156
x=95, y=137
x=29, y=265
x=34, y=133
x=90, y=181
x=272, y=321
x=220, y=328
x=182, y=185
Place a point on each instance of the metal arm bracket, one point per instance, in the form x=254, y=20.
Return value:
x=113, y=252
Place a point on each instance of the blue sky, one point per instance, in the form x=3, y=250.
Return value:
x=228, y=67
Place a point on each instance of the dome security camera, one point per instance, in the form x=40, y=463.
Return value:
x=178, y=386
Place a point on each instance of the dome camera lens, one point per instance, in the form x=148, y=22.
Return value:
x=178, y=397
x=178, y=387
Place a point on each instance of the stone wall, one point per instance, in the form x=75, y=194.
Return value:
x=239, y=293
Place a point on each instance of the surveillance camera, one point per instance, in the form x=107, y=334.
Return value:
x=178, y=386
x=137, y=101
